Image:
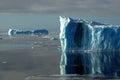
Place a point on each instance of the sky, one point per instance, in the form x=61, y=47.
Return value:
x=45, y=13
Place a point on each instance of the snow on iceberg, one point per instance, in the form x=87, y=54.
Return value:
x=89, y=47
x=12, y=32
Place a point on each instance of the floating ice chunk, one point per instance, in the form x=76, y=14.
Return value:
x=53, y=38
x=4, y=62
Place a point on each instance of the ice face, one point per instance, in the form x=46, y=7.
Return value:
x=88, y=47
x=88, y=35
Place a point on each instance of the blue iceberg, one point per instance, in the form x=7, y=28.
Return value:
x=89, y=47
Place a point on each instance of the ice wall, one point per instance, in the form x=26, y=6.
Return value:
x=89, y=47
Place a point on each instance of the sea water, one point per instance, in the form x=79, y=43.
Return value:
x=38, y=58
x=23, y=56
x=108, y=65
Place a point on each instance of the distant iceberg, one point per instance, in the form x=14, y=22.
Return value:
x=39, y=32
x=17, y=32
x=89, y=47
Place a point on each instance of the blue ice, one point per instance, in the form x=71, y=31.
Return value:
x=89, y=47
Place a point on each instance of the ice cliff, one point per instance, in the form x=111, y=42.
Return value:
x=89, y=47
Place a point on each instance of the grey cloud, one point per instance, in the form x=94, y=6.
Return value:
x=80, y=7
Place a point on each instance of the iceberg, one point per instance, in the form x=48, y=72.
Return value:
x=89, y=47
x=13, y=32
x=40, y=32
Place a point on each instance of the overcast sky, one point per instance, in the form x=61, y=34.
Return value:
x=45, y=13
x=80, y=7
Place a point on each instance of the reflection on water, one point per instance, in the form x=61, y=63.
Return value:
x=70, y=77
x=105, y=62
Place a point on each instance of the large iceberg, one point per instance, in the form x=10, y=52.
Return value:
x=89, y=47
